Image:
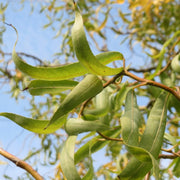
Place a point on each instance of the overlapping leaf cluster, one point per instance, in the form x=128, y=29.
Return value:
x=143, y=140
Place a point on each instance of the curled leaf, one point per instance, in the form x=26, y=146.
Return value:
x=175, y=64
x=34, y=125
x=75, y=126
x=83, y=51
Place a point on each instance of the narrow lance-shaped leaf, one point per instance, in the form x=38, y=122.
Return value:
x=153, y=134
x=61, y=72
x=155, y=126
x=87, y=88
x=67, y=159
x=131, y=120
x=75, y=126
x=90, y=86
x=83, y=51
x=40, y=87
x=34, y=125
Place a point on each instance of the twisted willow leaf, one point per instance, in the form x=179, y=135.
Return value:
x=40, y=87
x=90, y=86
x=34, y=125
x=83, y=51
x=75, y=126
x=62, y=72
x=154, y=132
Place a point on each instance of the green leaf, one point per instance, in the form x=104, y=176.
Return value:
x=176, y=169
x=61, y=72
x=94, y=145
x=121, y=95
x=83, y=51
x=155, y=126
x=154, y=132
x=135, y=170
x=75, y=126
x=90, y=174
x=34, y=125
x=101, y=105
x=40, y=87
x=131, y=120
x=67, y=159
x=174, y=102
x=90, y=86
x=172, y=140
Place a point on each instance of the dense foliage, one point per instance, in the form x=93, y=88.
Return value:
x=90, y=97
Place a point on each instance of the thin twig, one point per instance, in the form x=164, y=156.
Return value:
x=153, y=83
x=171, y=156
x=21, y=164
x=164, y=68
x=108, y=138
x=142, y=70
x=27, y=55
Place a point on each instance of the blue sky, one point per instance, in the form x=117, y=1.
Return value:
x=32, y=40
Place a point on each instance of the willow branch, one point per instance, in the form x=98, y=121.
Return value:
x=142, y=70
x=153, y=83
x=108, y=138
x=21, y=164
x=169, y=156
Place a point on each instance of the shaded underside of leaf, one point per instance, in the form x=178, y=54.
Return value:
x=135, y=170
x=131, y=120
x=75, y=126
x=101, y=105
x=67, y=159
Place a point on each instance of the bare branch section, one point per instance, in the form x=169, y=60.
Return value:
x=21, y=164
x=170, y=156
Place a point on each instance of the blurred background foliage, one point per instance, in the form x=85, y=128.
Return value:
x=146, y=23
